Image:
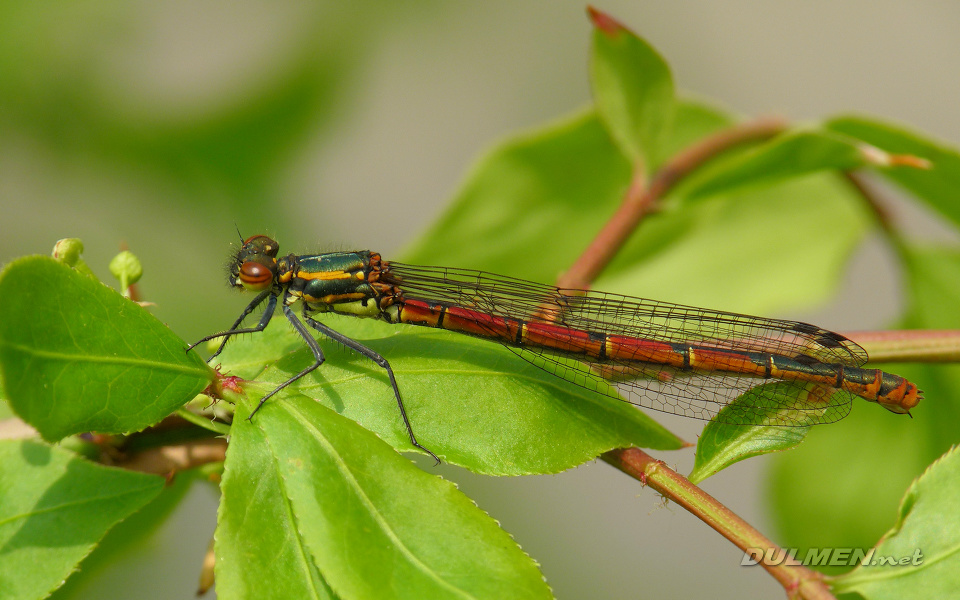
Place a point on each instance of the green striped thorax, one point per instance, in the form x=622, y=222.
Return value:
x=333, y=281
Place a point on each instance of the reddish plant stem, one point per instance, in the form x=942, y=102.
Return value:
x=641, y=199
x=799, y=581
x=910, y=345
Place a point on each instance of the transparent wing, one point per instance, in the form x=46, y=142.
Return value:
x=685, y=392
x=703, y=395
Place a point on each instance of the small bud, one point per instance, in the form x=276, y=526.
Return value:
x=68, y=251
x=127, y=268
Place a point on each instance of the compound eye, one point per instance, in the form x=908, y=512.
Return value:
x=255, y=276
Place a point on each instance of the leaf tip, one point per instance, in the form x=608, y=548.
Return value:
x=604, y=22
x=878, y=157
x=909, y=160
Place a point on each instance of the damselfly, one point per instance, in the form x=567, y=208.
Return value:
x=667, y=357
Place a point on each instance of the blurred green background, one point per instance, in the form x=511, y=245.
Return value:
x=163, y=126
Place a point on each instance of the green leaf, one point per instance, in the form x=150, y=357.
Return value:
x=76, y=356
x=336, y=501
x=937, y=186
x=471, y=401
x=721, y=444
x=633, y=91
x=92, y=578
x=258, y=538
x=762, y=251
x=925, y=539
x=521, y=200
x=54, y=508
x=787, y=156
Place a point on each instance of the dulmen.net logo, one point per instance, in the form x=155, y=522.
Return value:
x=828, y=557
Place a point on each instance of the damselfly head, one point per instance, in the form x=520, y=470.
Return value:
x=255, y=265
